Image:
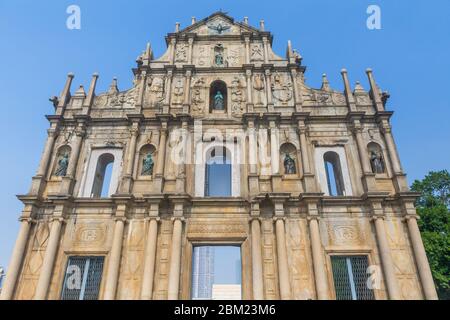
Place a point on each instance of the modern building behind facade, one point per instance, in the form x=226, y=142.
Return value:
x=220, y=141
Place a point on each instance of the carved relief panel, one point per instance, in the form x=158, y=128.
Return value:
x=281, y=89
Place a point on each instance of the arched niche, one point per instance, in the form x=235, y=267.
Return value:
x=333, y=170
x=288, y=159
x=376, y=158
x=61, y=161
x=147, y=161
x=218, y=97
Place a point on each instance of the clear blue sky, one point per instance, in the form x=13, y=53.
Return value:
x=410, y=57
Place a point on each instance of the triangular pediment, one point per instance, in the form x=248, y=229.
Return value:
x=219, y=24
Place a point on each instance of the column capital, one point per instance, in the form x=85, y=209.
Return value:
x=151, y=218
x=59, y=219
x=173, y=219
x=123, y=219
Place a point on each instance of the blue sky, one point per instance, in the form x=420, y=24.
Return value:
x=409, y=55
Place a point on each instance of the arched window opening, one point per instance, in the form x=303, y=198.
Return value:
x=333, y=171
x=218, y=96
x=103, y=173
x=288, y=157
x=147, y=160
x=376, y=158
x=62, y=161
x=218, y=173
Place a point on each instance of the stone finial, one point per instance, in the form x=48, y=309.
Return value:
x=246, y=20
x=375, y=90
x=65, y=94
x=177, y=27
x=261, y=25
x=91, y=92
x=113, y=87
x=325, y=83
x=193, y=20
x=148, y=55
x=358, y=88
x=80, y=92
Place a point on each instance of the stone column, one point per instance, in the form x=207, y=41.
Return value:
x=175, y=260
x=49, y=260
x=159, y=170
x=36, y=186
x=257, y=262
x=141, y=94
x=129, y=163
x=297, y=95
x=191, y=51
x=149, y=259
x=368, y=176
x=421, y=259
x=181, y=177
x=114, y=260
x=308, y=175
x=248, y=74
x=187, y=91
x=173, y=43
x=65, y=95
x=247, y=49
x=320, y=274
x=252, y=150
x=266, y=49
x=15, y=264
x=73, y=161
x=386, y=259
x=168, y=89
x=274, y=149
x=268, y=78
x=392, y=149
x=283, y=268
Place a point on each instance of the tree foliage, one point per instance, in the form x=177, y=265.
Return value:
x=433, y=209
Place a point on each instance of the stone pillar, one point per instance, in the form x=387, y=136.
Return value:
x=421, y=259
x=283, y=268
x=150, y=258
x=308, y=175
x=114, y=260
x=181, y=177
x=247, y=49
x=159, y=170
x=141, y=94
x=175, y=260
x=66, y=187
x=173, y=43
x=274, y=148
x=266, y=49
x=191, y=50
x=49, y=260
x=368, y=176
x=375, y=92
x=268, y=81
x=252, y=148
x=187, y=92
x=36, y=186
x=65, y=95
x=127, y=178
x=91, y=94
x=386, y=259
x=15, y=264
x=392, y=149
x=298, y=99
x=257, y=262
x=320, y=274
x=168, y=88
x=248, y=74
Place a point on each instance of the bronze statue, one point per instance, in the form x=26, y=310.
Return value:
x=289, y=165
x=376, y=161
x=147, y=165
x=219, y=101
x=63, y=163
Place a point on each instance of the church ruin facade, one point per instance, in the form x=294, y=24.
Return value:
x=220, y=142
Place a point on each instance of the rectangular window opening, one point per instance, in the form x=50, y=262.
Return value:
x=216, y=273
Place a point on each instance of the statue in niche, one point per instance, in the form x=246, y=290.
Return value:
x=219, y=101
x=289, y=165
x=63, y=164
x=147, y=165
x=218, y=56
x=376, y=161
x=178, y=91
x=258, y=85
x=281, y=91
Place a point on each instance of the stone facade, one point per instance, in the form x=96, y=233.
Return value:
x=283, y=214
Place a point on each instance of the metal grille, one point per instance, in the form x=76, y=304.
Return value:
x=82, y=279
x=350, y=278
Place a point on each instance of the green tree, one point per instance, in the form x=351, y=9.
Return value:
x=433, y=209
